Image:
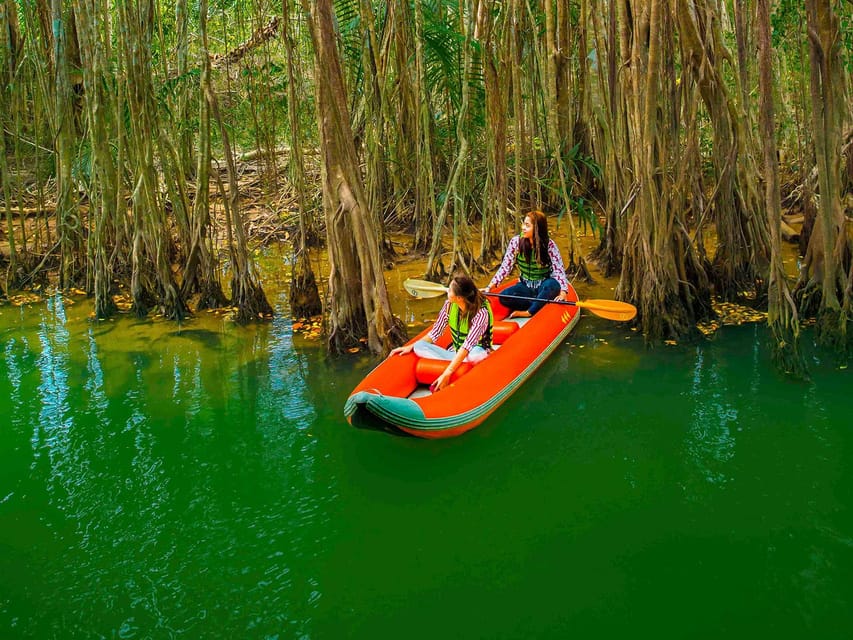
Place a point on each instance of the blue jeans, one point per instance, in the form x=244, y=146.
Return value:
x=548, y=290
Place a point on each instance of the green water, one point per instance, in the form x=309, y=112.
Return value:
x=199, y=481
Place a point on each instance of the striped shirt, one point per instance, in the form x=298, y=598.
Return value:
x=558, y=272
x=476, y=327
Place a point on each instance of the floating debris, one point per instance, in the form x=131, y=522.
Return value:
x=25, y=298
x=733, y=314
x=708, y=328
x=123, y=302
x=730, y=313
x=310, y=328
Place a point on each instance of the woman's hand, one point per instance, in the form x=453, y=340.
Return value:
x=443, y=380
x=564, y=295
x=406, y=348
x=440, y=382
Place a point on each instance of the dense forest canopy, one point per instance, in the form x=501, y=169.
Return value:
x=681, y=132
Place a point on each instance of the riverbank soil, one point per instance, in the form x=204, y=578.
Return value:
x=271, y=224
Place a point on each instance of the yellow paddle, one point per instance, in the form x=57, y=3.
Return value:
x=610, y=309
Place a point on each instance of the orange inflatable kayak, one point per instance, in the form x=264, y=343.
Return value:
x=396, y=393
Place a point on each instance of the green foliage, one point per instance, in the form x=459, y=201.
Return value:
x=351, y=40
x=787, y=25
x=82, y=167
x=586, y=215
x=169, y=88
x=442, y=54
x=577, y=161
x=845, y=25
x=576, y=164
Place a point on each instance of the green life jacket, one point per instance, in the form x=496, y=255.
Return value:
x=530, y=268
x=459, y=327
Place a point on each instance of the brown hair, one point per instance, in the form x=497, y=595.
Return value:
x=539, y=241
x=464, y=287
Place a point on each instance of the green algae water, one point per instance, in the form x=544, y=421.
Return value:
x=199, y=481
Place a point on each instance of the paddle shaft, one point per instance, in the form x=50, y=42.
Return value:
x=610, y=309
x=546, y=301
x=432, y=289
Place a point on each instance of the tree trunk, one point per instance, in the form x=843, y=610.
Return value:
x=304, y=295
x=184, y=99
x=152, y=280
x=827, y=269
x=103, y=184
x=781, y=310
x=495, y=49
x=9, y=38
x=742, y=254
x=402, y=112
x=660, y=271
x=557, y=119
x=70, y=239
x=424, y=216
x=457, y=189
x=201, y=265
x=359, y=298
x=376, y=147
x=10, y=51
x=521, y=143
x=614, y=146
x=246, y=292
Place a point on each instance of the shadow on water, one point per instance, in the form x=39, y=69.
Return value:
x=363, y=419
x=205, y=337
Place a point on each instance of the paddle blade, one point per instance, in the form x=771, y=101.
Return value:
x=610, y=309
x=423, y=288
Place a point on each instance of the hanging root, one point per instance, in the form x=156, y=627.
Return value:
x=808, y=298
x=210, y=296
x=304, y=296
x=786, y=354
x=579, y=271
x=831, y=332
x=250, y=300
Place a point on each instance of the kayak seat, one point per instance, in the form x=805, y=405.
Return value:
x=427, y=370
x=501, y=330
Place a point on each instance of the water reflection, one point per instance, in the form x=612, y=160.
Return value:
x=51, y=433
x=709, y=442
x=156, y=485
x=178, y=472
x=19, y=363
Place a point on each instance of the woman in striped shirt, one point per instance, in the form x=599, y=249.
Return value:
x=542, y=274
x=469, y=315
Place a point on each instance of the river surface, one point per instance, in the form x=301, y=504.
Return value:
x=199, y=481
